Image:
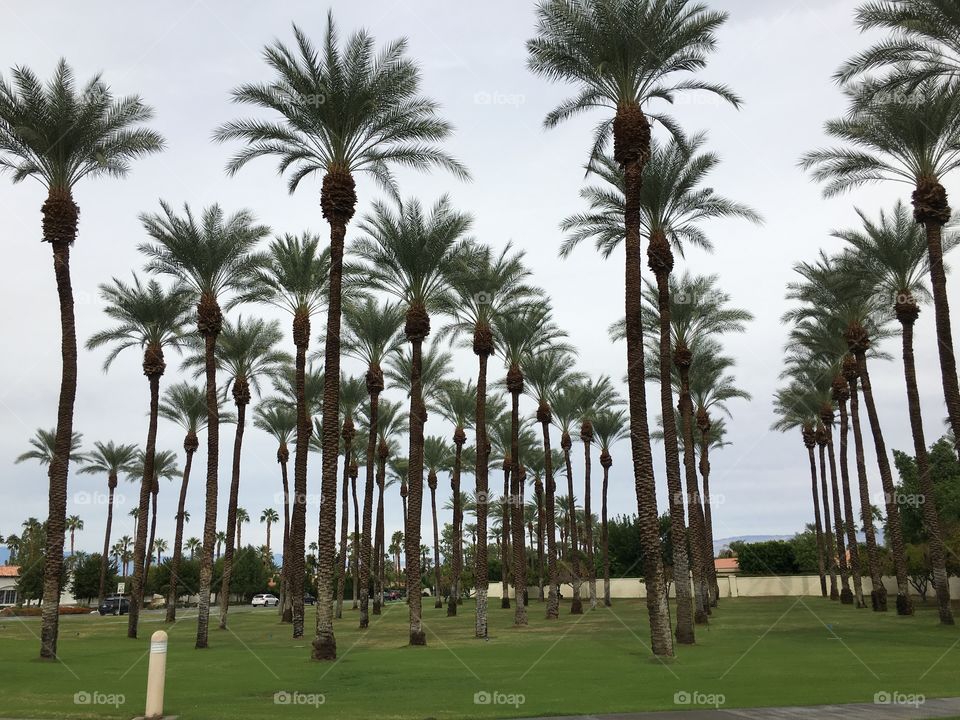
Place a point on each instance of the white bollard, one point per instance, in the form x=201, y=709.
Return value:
x=156, y=674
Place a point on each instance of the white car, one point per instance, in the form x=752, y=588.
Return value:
x=264, y=600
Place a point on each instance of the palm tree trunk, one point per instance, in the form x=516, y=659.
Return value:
x=660, y=258
x=932, y=211
x=379, y=563
x=298, y=514
x=437, y=598
x=631, y=138
x=153, y=531
x=515, y=387
x=456, y=562
x=588, y=519
x=878, y=593
x=605, y=463
x=830, y=554
x=849, y=525
x=153, y=367
x=286, y=607
x=553, y=595
x=818, y=527
x=415, y=480
x=931, y=518
x=190, y=444
x=576, y=605
x=538, y=492
x=356, y=538
x=209, y=321
x=344, y=514
x=703, y=423
x=60, y=230
x=241, y=393
x=904, y=602
x=846, y=596
x=698, y=539
x=105, y=557
x=505, y=523
x=481, y=567
x=338, y=199
x=368, y=488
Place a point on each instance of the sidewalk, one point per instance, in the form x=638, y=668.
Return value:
x=932, y=708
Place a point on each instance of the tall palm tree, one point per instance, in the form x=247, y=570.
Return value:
x=121, y=551
x=545, y=373
x=437, y=457
x=483, y=284
x=610, y=426
x=352, y=390
x=151, y=318
x=159, y=546
x=213, y=255
x=185, y=405
x=895, y=260
x=294, y=278
x=500, y=436
x=165, y=468
x=390, y=422
x=408, y=252
x=457, y=405
x=246, y=352
x=72, y=524
x=371, y=335
x=110, y=460
x=372, y=117
x=269, y=516
x=917, y=143
x=594, y=45
x=278, y=418
x=193, y=545
x=59, y=133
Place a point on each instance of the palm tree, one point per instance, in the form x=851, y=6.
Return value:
x=894, y=254
x=294, y=278
x=917, y=143
x=269, y=516
x=390, y=421
x=59, y=134
x=242, y=517
x=372, y=117
x=609, y=426
x=213, y=256
x=44, y=444
x=566, y=408
x=164, y=467
x=185, y=405
x=437, y=457
x=149, y=317
x=278, y=417
x=246, y=352
x=483, y=284
x=545, y=373
x=107, y=459
x=371, y=335
x=408, y=253
x=72, y=524
x=193, y=545
x=221, y=538
x=121, y=551
x=159, y=546
x=522, y=332
x=457, y=405
x=352, y=390
x=594, y=45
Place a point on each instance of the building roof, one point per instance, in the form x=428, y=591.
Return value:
x=9, y=571
x=726, y=564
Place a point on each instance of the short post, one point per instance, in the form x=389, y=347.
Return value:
x=156, y=674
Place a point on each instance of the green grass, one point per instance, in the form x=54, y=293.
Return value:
x=777, y=651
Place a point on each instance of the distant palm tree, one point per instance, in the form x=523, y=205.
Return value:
x=159, y=546
x=352, y=392
x=59, y=133
x=110, y=460
x=193, y=544
x=611, y=425
x=213, y=256
x=221, y=538
x=372, y=117
x=44, y=448
x=72, y=524
x=242, y=517
x=165, y=467
x=594, y=45
x=269, y=516
x=154, y=319
x=409, y=253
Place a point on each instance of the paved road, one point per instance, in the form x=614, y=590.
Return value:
x=932, y=708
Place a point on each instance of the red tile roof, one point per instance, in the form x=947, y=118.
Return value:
x=9, y=571
x=727, y=564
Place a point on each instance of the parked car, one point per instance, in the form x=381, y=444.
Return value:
x=114, y=605
x=309, y=599
x=265, y=600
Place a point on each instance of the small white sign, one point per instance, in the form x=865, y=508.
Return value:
x=120, y=588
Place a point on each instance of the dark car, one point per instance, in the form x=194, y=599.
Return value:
x=114, y=605
x=309, y=599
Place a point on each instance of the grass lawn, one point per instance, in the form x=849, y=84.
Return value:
x=777, y=651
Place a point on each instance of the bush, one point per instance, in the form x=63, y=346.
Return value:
x=86, y=577
x=36, y=610
x=772, y=557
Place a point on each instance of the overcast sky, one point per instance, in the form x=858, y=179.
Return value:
x=184, y=58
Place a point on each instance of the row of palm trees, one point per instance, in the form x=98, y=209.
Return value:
x=902, y=125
